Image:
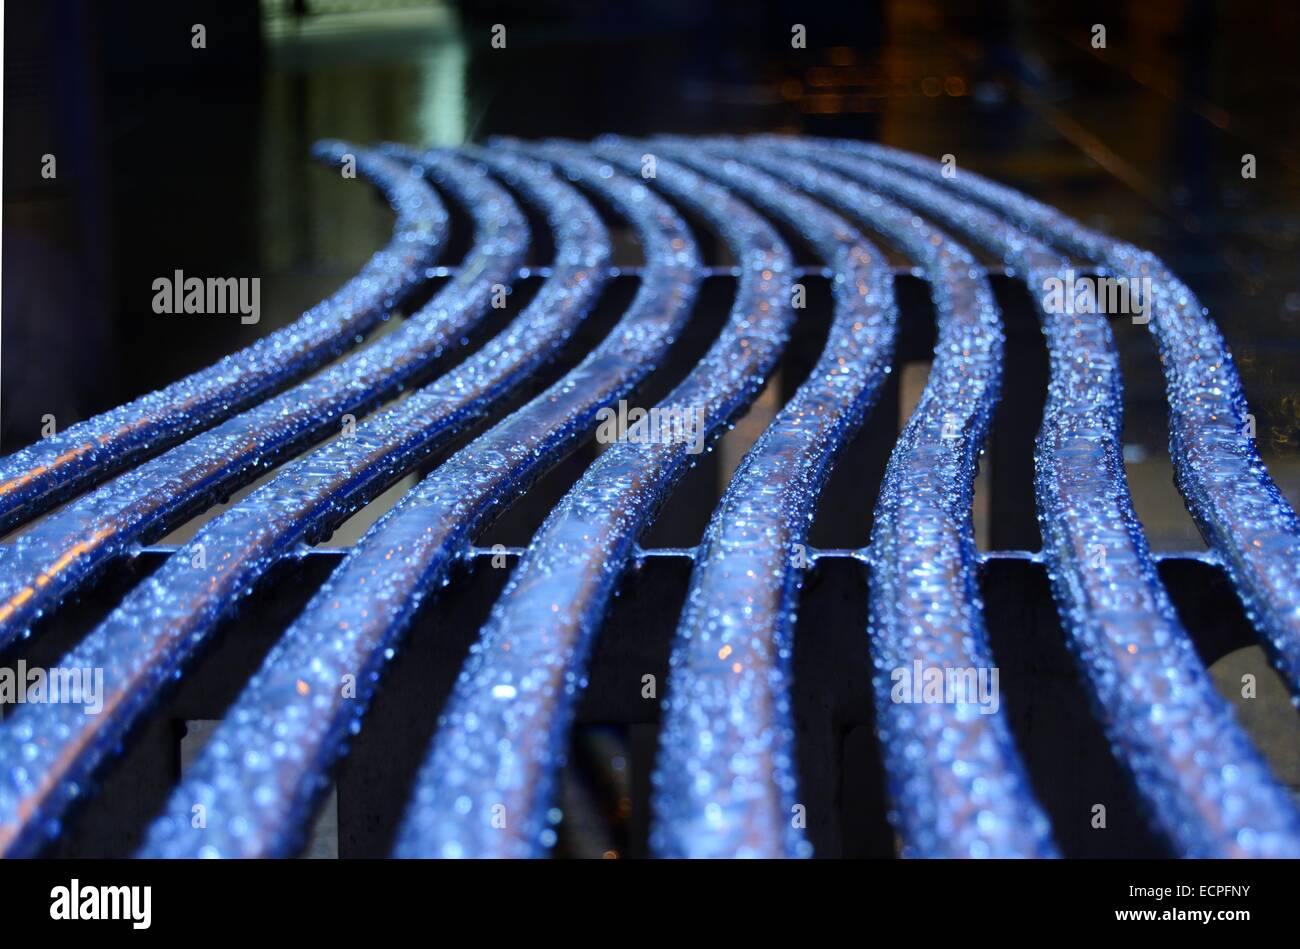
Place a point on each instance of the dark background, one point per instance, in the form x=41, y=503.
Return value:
x=171, y=157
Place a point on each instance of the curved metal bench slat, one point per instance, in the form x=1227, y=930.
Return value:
x=159, y=626
x=1205, y=786
x=296, y=702
x=969, y=797
x=52, y=558
x=503, y=734
x=1237, y=505
x=725, y=779
x=36, y=478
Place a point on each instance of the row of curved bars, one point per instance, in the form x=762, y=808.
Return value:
x=725, y=782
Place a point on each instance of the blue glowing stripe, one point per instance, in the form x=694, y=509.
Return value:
x=36, y=478
x=925, y=605
x=152, y=634
x=1237, y=505
x=503, y=734
x=296, y=703
x=725, y=783
x=54, y=556
x=1205, y=786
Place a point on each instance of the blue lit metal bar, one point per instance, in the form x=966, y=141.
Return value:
x=486, y=787
x=1237, y=505
x=161, y=623
x=36, y=478
x=925, y=607
x=1205, y=786
x=725, y=781
x=55, y=555
x=296, y=702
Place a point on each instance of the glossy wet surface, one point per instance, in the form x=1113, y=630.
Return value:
x=208, y=170
x=168, y=160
